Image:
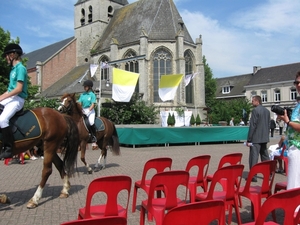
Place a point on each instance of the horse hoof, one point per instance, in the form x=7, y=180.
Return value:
x=63, y=195
x=4, y=199
x=90, y=171
x=31, y=205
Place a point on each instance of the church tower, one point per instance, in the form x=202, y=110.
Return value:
x=90, y=20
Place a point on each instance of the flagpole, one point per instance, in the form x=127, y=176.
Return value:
x=99, y=104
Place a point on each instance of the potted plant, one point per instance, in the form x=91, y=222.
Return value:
x=198, y=120
x=173, y=120
x=192, y=120
x=169, y=120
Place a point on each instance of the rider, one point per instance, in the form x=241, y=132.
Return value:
x=88, y=100
x=14, y=98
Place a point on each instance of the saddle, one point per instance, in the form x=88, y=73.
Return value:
x=98, y=123
x=24, y=125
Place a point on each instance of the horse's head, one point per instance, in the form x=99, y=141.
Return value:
x=68, y=104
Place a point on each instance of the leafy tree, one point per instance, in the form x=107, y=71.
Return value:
x=224, y=110
x=5, y=38
x=134, y=112
x=210, y=84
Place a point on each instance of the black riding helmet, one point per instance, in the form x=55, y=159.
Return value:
x=88, y=83
x=12, y=48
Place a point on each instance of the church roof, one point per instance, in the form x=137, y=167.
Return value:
x=159, y=20
x=121, y=2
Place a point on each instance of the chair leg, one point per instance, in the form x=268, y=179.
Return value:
x=135, y=190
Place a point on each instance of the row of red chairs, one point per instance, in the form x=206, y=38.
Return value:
x=166, y=183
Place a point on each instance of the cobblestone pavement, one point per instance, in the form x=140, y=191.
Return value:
x=19, y=182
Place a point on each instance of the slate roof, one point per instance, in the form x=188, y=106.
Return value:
x=70, y=83
x=275, y=74
x=121, y=2
x=237, y=84
x=159, y=19
x=45, y=53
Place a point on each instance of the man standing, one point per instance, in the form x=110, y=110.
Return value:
x=272, y=126
x=258, y=135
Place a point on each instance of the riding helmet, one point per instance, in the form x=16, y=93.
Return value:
x=88, y=83
x=12, y=48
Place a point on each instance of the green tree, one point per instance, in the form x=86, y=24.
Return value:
x=134, y=112
x=210, y=84
x=224, y=110
x=192, y=121
x=5, y=38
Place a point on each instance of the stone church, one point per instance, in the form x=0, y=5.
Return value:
x=146, y=37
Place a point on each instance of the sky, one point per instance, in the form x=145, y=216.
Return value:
x=236, y=34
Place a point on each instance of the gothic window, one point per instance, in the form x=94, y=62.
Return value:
x=82, y=20
x=293, y=94
x=90, y=16
x=189, y=72
x=264, y=96
x=104, y=68
x=162, y=65
x=132, y=66
x=277, y=95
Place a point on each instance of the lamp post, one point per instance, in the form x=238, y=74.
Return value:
x=99, y=96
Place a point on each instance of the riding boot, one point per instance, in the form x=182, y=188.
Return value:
x=7, y=143
x=93, y=133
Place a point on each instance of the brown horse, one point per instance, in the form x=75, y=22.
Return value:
x=54, y=130
x=106, y=138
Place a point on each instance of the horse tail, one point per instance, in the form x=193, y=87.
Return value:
x=71, y=146
x=115, y=141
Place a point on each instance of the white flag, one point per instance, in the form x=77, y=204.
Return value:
x=104, y=65
x=187, y=79
x=93, y=68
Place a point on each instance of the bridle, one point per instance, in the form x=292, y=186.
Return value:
x=65, y=109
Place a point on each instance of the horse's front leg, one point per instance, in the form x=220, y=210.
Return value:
x=82, y=157
x=46, y=172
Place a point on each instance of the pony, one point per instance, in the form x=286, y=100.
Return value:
x=50, y=130
x=106, y=134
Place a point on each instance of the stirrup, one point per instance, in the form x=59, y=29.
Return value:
x=94, y=139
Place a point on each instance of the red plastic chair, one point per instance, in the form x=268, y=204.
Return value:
x=114, y=220
x=151, y=167
x=280, y=186
x=172, y=182
x=255, y=193
x=284, y=158
x=231, y=176
x=202, y=164
x=111, y=187
x=227, y=160
x=287, y=201
x=197, y=213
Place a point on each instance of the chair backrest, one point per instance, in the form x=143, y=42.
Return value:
x=112, y=220
x=229, y=177
x=197, y=213
x=158, y=164
x=111, y=186
x=288, y=201
x=267, y=170
x=230, y=159
x=170, y=181
x=202, y=163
